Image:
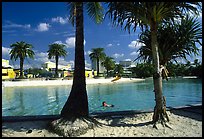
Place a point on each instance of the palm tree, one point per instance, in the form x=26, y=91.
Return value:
x=97, y=54
x=150, y=14
x=109, y=64
x=21, y=50
x=118, y=69
x=77, y=102
x=174, y=40
x=56, y=50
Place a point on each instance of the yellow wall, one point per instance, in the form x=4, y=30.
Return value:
x=89, y=74
x=29, y=75
x=8, y=74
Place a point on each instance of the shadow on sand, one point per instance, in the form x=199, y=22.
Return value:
x=193, y=112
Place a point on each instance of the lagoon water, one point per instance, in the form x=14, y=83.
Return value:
x=49, y=100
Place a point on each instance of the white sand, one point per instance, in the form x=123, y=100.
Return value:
x=64, y=82
x=127, y=126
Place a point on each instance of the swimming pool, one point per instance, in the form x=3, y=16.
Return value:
x=49, y=100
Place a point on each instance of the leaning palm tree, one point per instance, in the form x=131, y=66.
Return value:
x=21, y=50
x=129, y=15
x=56, y=50
x=109, y=64
x=97, y=55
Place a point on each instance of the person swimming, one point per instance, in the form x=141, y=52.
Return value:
x=104, y=104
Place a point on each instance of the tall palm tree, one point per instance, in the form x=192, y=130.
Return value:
x=98, y=55
x=21, y=50
x=109, y=64
x=77, y=102
x=174, y=40
x=129, y=15
x=55, y=51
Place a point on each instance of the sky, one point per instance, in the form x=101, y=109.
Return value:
x=44, y=23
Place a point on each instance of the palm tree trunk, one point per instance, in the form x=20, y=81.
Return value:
x=56, y=68
x=157, y=74
x=97, y=60
x=21, y=67
x=77, y=103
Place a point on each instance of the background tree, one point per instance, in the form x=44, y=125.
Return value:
x=142, y=70
x=118, y=70
x=97, y=55
x=129, y=15
x=109, y=64
x=55, y=51
x=21, y=50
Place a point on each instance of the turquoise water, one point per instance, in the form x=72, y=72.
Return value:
x=21, y=101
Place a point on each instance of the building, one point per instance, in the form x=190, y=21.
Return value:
x=94, y=66
x=63, y=70
x=51, y=66
x=127, y=65
x=7, y=71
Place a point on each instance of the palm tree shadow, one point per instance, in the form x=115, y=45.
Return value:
x=117, y=122
x=26, y=127
x=190, y=114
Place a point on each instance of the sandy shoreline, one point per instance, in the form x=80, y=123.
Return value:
x=64, y=82
x=183, y=124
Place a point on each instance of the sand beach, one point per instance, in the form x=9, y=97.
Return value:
x=184, y=122
x=44, y=82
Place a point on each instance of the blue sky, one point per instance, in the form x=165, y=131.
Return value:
x=43, y=23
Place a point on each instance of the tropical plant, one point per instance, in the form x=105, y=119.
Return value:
x=97, y=55
x=118, y=70
x=56, y=51
x=129, y=15
x=109, y=64
x=142, y=70
x=175, y=40
x=21, y=50
x=77, y=103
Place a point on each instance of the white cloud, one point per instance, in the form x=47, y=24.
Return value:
x=43, y=27
x=5, y=51
x=10, y=24
x=70, y=42
x=134, y=53
x=109, y=45
x=60, y=20
x=117, y=55
x=41, y=56
x=60, y=42
x=89, y=52
x=127, y=60
x=136, y=44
